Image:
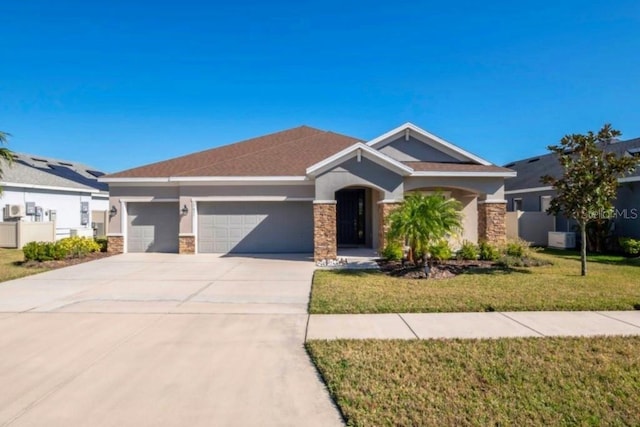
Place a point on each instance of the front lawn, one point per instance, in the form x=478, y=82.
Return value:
x=527, y=381
x=612, y=283
x=10, y=267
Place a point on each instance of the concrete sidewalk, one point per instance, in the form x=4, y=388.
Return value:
x=473, y=325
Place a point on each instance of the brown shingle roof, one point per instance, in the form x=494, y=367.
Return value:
x=286, y=153
x=453, y=167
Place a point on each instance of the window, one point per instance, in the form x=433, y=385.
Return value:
x=545, y=202
x=517, y=205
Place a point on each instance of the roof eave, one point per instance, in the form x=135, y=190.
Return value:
x=464, y=174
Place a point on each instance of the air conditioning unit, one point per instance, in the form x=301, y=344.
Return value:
x=14, y=211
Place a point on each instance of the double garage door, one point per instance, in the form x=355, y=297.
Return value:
x=255, y=227
x=224, y=227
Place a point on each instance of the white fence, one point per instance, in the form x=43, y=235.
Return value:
x=530, y=226
x=17, y=234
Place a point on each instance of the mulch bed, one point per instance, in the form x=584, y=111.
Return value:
x=53, y=264
x=443, y=270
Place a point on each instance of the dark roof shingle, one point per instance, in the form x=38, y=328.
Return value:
x=276, y=154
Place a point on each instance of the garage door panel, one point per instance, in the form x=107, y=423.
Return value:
x=152, y=227
x=255, y=227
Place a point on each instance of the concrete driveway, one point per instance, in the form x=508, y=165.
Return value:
x=162, y=340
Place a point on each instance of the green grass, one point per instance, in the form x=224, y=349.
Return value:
x=528, y=381
x=612, y=283
x=9, y=267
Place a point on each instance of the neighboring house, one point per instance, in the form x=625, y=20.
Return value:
x=526, y=193
x=299, y=190
x=41, y=189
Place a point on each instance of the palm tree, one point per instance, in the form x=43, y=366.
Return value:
x=5, y=153
x=422, y=221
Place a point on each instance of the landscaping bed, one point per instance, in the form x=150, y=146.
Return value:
x=441, y=270
x=37, y=257
x=612, y=284
x=523, y=381
x=60, y=263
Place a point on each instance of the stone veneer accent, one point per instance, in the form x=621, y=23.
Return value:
x=325, y=245
x=115, y=244
x=492, y=221
x=187, y=244
x=384, y=209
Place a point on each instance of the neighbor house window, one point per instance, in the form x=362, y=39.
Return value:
x=517, y=205
x=545, y=202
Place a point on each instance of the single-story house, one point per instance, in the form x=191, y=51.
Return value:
x=42, y=189
x=299, y=190
x=526, y=193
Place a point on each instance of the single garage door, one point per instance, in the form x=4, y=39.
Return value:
x=153, y=227
x=255, y=227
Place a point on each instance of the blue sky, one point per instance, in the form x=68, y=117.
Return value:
x=119, y=84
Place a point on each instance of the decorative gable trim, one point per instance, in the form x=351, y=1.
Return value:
x=409, y=129
x=359, y=150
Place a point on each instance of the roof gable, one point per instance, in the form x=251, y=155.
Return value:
x=358, y=150
x=410, y=149
x=411, y=132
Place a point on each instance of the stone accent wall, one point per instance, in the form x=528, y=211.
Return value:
x=492, y=222
x=115, y=244
x=325, y=245
x=384, y=209
x=187, y=244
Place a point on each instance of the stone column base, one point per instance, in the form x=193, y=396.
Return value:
x=325, y=245
x=492, y=222
x=115, y=244
x=187, y=244
x=384, y=209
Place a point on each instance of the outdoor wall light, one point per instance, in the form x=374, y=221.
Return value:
x=113, y=211
x=184, y=210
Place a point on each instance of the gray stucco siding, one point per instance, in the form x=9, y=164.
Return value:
x=493, y=188
x=530, y=201
x=627, y=221
x=365, y=173
x=415, y=150
x=159, y=192
x=288, y=191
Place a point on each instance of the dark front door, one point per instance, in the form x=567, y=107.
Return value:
x=350, y=217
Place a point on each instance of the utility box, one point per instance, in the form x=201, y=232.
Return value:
x=561, y=240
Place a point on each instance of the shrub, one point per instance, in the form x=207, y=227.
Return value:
x=517, y=248
x=31, y=251
x=468, y=251
x=43, y=251
x=488, y=252
x=440, y=251
x=392, y=252
x=103, y=243
x=78, y=247
x=508, y=261
x=630, y=246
